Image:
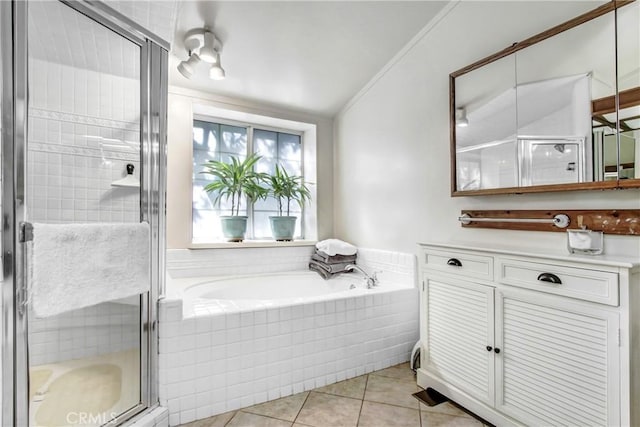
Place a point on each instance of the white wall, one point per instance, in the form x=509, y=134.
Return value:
x=391, y=186
x=179, y=158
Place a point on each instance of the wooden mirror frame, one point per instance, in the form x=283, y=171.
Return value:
x=603, y=105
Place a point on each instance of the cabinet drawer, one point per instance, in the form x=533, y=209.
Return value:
x=458, y=263
x=589, y=285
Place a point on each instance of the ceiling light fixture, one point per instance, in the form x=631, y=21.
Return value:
x=202, y=45
x=461, y=118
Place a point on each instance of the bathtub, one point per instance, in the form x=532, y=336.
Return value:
x=232, y=342
x=255, y=292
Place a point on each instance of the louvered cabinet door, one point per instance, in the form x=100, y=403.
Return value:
x=459, y=323
x=558, y=362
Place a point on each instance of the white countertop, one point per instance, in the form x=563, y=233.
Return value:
x=556, y=253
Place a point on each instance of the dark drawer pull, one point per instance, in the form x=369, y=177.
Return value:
x=455, y=262
x=549, y=277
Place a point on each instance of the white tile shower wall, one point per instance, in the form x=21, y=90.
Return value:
x=83, y=130
x=80, y=139
x=213, y=364
x=87, y=332
x=221, y=262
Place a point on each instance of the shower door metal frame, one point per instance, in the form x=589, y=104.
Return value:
x=14, y=128
x=153, y=111
x=7, y=294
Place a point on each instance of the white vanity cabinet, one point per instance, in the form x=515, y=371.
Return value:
x=533, y=339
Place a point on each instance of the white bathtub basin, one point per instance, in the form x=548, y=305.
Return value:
x=245, y=293
x=272, y=287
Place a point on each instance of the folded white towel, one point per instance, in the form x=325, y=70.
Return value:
x=79, y=265
x=333, y=247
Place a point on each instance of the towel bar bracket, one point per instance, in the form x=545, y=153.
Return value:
x=26, y=232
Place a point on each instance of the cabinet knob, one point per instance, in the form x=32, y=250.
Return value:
x=497, y=350
x=489, y=348
x=550, y=278
x=455, y=262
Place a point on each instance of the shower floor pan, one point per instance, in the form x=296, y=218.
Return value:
x=88, y=391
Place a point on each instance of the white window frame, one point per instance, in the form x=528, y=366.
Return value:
x=250, y=127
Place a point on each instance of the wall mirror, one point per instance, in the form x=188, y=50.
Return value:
x=558, y=111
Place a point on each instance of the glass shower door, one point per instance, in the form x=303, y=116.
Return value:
x=83, y=161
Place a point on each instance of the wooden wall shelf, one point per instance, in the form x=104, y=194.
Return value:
x=616, y=221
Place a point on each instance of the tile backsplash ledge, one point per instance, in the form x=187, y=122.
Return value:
x=182, y=263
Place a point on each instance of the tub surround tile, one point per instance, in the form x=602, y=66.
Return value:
x=391, y=391
x=321, y=410
x=382, y=415
x=246, y=358
x=350, y=388
x=285, y=408
x=298, y=354
x=396, y=266
x=224, y=262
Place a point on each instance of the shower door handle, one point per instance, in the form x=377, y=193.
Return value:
x=25, y=234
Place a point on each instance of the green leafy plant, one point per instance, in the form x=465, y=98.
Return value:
x=235, y=179
x=285, y=187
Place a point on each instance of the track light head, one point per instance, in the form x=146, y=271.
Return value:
x=186, y=68
x=216, y=72
x=208, y=51
x=461, y=118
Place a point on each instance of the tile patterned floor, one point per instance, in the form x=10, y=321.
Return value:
x=379, y=399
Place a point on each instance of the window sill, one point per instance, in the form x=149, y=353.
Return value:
x=251, y=244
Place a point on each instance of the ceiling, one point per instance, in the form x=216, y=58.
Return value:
x=159, y=17
x=311, y=56
x=61, y=35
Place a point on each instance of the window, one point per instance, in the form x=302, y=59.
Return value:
x=218, y=140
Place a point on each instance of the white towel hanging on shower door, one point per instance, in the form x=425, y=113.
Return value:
x=79, y=265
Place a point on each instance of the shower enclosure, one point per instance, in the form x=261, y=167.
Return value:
x=83, y=103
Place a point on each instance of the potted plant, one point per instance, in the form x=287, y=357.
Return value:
x=286, y=188
x=234, y=180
